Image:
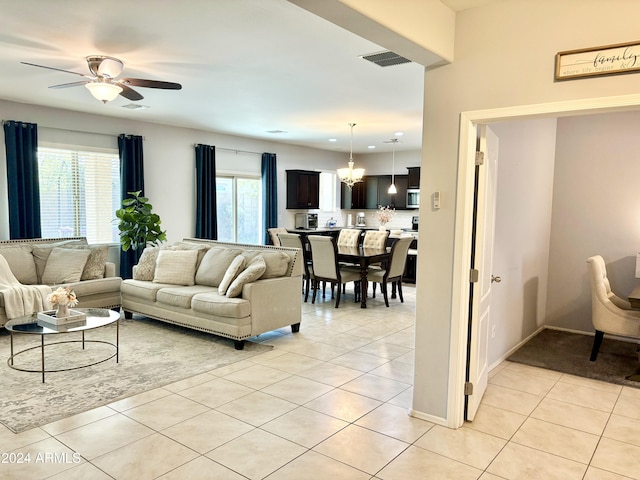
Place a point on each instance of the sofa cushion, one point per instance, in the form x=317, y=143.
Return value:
x=277, y=262
x=64, y=266
x=98, y=286
x=41, y=253
x=237, y=265
x=253, y=272
x=94, y=268
x=215, y=304
x=180, y=296
x=146, y=267
x=215, y=264
x=21, y=262
x=142, y=289
x=176, y=267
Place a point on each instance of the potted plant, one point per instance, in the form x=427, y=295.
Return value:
x=138, y=226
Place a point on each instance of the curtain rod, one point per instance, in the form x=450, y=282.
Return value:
x=234, y=150
x=76, y=131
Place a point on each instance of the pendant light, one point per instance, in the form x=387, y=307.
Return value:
x=392, y=187
x=350, y=176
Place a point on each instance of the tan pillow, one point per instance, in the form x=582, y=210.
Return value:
x=146, y=267
x=277, y=262
x=94, y=268
x=215, y=264
x=20, y=260
x=176, y=267
x=42, y=251
x=237, y=265
x=250, y=274
x=64, y=266
x=200, y=247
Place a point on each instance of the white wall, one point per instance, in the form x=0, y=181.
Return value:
x=169, y=159
x=596, y=210
x=522, y=231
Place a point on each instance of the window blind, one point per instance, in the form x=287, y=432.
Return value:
x=79, y=193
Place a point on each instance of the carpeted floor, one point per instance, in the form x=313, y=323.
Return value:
x=569, y=353
x=152, y=354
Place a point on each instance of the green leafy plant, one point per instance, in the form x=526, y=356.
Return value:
x=138, y=226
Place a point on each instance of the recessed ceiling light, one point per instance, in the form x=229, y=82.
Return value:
x=398, y=134
x=371, y=147
x=333, y=139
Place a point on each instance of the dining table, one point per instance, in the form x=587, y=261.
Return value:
x=363, y=258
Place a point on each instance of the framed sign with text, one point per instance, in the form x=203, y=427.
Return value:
x=590, y=62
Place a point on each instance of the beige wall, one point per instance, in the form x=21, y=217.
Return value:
x=496, y=65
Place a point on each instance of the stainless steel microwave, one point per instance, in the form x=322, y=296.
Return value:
x=306, y=220
x=413, y=198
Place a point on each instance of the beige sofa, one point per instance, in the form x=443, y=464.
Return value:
x=63, y=262
x=228, y=289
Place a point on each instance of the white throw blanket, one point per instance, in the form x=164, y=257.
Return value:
x=21, y=299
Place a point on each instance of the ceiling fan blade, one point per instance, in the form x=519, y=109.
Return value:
x=72, y=84
x=129, y=93
x=141, y=82
x=52, y=68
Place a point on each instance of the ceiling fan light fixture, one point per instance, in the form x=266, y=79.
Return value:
x=105, y=92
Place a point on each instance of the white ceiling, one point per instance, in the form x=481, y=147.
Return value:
x=247, y=67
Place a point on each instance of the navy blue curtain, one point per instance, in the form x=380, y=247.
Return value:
x=269, y=193
x=23, y=187
x=206, y=202
x=131, y=180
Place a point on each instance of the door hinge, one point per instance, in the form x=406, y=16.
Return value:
x=479, y=158
x=474, y=275
x=468, y=388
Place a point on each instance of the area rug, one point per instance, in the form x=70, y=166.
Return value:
x=568, y=352
x=152, y=354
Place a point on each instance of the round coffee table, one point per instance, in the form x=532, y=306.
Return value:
x=30, y=324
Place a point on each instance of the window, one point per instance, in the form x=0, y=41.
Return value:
x=328, y=192
x=79, y=194
x=239, y=209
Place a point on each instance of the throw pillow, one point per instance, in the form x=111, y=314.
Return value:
x=146, y=267
x=41, y=252
x=214, y=265
x=94, y=268
x=250, y=274
x=277, y=262
x=237, y=265
x=21, y=263
x=176, y=267
x=64, y=266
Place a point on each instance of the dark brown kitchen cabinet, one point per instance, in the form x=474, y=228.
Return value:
x=414, y=177
x=303, y=189
x=402, y=182
x=354, y=197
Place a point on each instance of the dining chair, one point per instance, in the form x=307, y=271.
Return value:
x=609, y=313
x=324, y=258
x=393, y=270
x=294, y=240
x=375, y=239
x=349, y=237
x=273, y=234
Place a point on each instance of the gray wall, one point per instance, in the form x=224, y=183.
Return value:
x=596, y=210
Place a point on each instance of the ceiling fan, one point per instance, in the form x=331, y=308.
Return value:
x=102, y=82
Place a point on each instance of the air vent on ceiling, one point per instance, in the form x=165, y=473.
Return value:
x=385, y=59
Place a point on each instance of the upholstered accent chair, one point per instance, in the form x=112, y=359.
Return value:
x=609, y=313
x=392, y=272
x=324, y=256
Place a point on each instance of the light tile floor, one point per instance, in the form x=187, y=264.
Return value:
x=331, y=402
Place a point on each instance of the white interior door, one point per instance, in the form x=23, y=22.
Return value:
x=481, y=259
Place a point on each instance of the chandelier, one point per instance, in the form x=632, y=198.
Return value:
x=349, y=176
